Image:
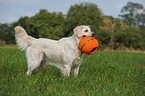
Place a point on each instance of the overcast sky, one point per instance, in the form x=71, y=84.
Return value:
x=12, y=10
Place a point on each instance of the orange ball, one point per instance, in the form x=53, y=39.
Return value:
x=88, y=45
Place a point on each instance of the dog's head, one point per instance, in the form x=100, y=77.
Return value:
x=82, y=31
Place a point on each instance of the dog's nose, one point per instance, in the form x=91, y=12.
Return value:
x=93, y=34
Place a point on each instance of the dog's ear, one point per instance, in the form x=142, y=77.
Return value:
x=78, y=31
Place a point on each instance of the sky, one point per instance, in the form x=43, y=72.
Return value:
x=12, y=10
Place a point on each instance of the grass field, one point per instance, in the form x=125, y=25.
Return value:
x=104, y=73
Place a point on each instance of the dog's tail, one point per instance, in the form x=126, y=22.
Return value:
x=22, y=39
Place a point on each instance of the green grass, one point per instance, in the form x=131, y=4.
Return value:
x=104, y=73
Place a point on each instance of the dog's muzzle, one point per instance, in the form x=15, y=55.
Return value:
x=93, y=34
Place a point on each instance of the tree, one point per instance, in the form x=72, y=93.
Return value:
x=47, y=25
x=5, y=33
x=83, y=14
x=23, y=21
x=109, y=24
x=133, y=14
x=131, y=38
x=103, y=36
x=43, y=24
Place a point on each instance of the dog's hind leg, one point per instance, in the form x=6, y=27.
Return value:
x=34, y=58
x=42, y=66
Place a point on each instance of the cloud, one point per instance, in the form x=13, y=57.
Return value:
x=120, y=5
x=7, y=19
x=24, y=1
x=3, y=1
x=29, y=13
x=12, y=19
x=67, y=4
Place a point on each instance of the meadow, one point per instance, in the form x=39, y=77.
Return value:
x=104, y=73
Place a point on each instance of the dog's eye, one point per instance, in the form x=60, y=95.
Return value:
x=86, y=30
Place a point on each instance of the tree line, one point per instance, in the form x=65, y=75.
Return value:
x=128, y=31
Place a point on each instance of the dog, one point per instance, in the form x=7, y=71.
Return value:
x=64, y=53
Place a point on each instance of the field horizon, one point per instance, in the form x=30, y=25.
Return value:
x=105, y=73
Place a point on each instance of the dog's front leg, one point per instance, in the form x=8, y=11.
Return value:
x=76, y=65
x=76, y=70
x=66, y=70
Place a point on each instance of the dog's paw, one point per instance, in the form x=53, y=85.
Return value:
x=28, y=73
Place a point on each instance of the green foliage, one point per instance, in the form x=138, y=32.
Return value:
x=101, y=74
x=6, y=34
x=104, y=37
x=84, y=14
x=111, y=32
x=131, y=14
x=4, y=29
x=48, y=25
x=43, y=24
x=131, y=37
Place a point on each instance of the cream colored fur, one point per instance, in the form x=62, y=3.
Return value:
x=64, y=53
